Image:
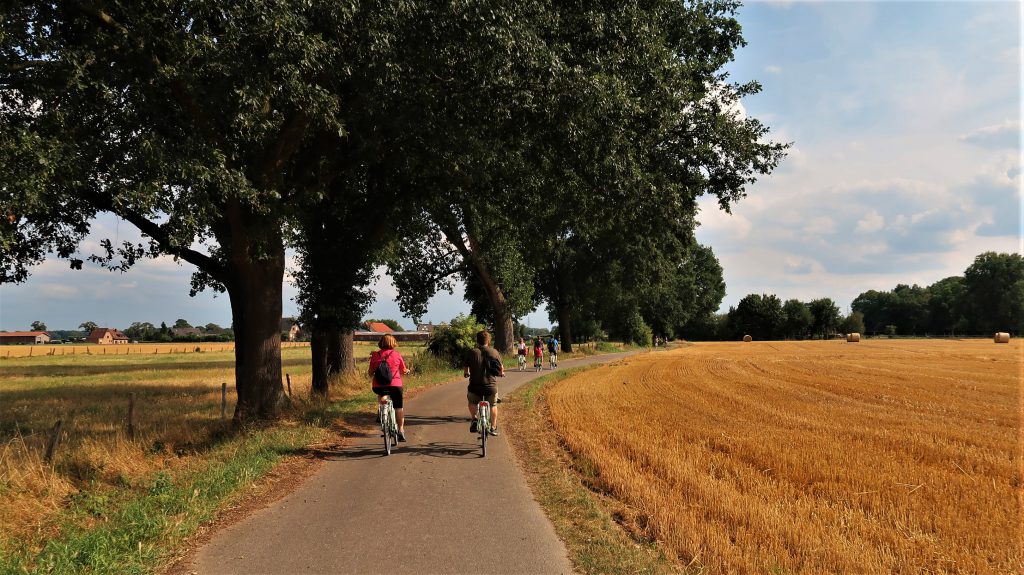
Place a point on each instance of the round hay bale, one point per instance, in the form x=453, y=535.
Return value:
x=852, y=337
x=747, y=338
x=1002, y=337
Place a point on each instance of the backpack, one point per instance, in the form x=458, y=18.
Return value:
x=491, y=366
x=382, y=375
x=552, y=347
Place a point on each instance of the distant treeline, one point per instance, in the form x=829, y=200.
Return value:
x=989, y=297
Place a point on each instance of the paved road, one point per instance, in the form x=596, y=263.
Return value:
x=433, y=506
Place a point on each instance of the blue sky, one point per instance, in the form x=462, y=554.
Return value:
x=905, y=120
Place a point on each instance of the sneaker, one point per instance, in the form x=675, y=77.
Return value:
x=492, y=431
x=401, y=436
x=472, y=426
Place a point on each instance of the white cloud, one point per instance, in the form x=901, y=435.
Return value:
x=773, y=69
x=1003, y=135
x=822, y=225
x=58, y=291
x=872, y=222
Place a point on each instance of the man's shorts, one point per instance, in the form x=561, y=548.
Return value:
x=394, y=392
x=475, y=399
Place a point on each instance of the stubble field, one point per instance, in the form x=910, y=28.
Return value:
x=882, y=456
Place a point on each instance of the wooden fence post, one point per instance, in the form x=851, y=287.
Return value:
x=131, y=416
x=223, y=400
x=288, y=378
x=51, y=446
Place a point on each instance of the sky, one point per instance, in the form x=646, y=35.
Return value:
x=905, y=124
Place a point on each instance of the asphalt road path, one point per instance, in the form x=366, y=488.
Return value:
x=433, y=506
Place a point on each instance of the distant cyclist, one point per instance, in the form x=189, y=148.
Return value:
x=553, y=352
x=538, y=353
x=483, y=384
x=521, y=352
x=387, y=345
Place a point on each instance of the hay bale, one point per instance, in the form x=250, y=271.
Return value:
x=747, y=338
x=852, y=337
x=1002, y=337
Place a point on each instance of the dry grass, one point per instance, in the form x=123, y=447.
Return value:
x=16, y=351
x=177, y=411
x=813, y=457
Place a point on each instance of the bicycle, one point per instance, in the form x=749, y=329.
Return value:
x=388, y=422
x=538, y=363
x=522, y=362
x=553, y=360
x=483, y=418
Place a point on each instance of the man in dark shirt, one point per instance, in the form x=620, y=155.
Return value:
x=483, y=386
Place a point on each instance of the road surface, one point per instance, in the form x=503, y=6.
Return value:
x=433, y=506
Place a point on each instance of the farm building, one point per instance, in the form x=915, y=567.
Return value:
x=290, y=329
x=24, y=337
x=107, y=336
x=427, y=327
x=377, y=327
x=187, y=331
x=374, y=336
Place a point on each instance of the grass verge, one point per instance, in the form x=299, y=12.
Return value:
x=584, y=519
x=111, y=519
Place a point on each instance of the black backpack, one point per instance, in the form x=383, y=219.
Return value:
x=382, y=375
x=491, y=366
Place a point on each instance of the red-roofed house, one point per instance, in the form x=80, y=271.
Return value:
x=107, y=336
x=378, y=327
x=24, y=337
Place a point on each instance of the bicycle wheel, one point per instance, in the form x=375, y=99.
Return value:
x=385, y=426
x=485, y=423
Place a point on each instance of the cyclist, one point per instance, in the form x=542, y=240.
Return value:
x=553, y=352
x=538, y=353
x=387, y=345
x=483, y=385
x=521, y=352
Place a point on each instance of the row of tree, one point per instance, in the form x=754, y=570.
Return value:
x=409, y=134
x=989, y=297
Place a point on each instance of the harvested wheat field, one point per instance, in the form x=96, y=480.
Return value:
x=73, y=349
x=810, y=457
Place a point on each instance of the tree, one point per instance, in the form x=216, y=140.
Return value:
x=181, y=324
x=994, y=292
x=877, y=309
x=946, y=306
x=88, y=326
x=826, y=317
x=759, y=316
x=213, y=328
x=594, y=177
x=38, y=326
x=142, y=331
x=798, y=319
x=908, y=308
x=210, y=134
x=853, y=323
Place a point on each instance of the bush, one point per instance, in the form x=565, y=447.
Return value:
x=636, y=331
x=450, y=342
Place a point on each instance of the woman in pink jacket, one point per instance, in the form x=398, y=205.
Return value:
x=387, y=345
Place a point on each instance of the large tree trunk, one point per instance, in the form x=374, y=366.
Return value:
x=504, y=328
x=318, y=347
x=503, y=324
x=565, y=326
x=339, y=352
x=255, y=292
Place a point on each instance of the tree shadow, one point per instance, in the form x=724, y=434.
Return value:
x=441, y=449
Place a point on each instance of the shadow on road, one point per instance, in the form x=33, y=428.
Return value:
x=446, y=450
